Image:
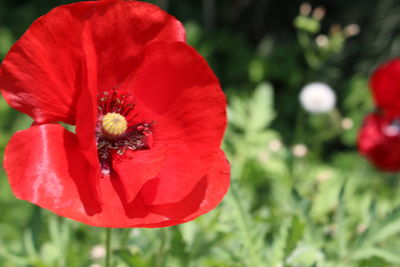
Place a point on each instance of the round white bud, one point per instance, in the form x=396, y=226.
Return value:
x=317, y=97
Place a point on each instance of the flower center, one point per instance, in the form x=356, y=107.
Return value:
x=118, y=129
x=114, y=124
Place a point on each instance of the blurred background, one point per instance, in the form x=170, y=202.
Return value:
x=301, y=194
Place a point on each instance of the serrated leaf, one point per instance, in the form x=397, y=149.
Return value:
x=382, y=230
x=386, y=255
x=277, y=253
x=306, y=255
x=11, y=257
x=326, y=198
x=237, y=112
x=378, y=232
x=295, y=234
x=261, y=111
x=388, y=227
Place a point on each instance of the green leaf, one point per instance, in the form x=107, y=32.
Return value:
x=295, y=235
x=382, y=230
x=326, y=198
x=261, y=111
x=132, y=260
x=256, y=71
x=384, y=254
x=30, y=246
x=178, y=247
x=378, y=232
x=341, y=222
x=306, y=255
x=277, y=253
x=237, y=112
x=6, y=41
x=307, y=24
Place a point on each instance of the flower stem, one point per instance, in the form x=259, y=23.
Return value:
x=160, y=260
x=108, y=247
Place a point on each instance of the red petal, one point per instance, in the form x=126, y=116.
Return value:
x=380, y=142
x=134, y=169
x=205, y=196
x=45, y=167
x=86, y=119
x=189, y=113
x=47, y=68
x=385, y=84
x=178, y=68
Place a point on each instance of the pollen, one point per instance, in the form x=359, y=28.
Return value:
x=114, y=124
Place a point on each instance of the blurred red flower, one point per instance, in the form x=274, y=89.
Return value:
x=385, y=85
x=379, y=141
x=148, y=110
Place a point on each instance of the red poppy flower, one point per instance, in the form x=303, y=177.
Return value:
x=385, y=84
x=379, y=142
x=149, y=116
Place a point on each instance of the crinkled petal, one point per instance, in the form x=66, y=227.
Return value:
x=385, y=84
x=178, y=68
x=379, y=142
x=83, y=49
x=45, y=166
x=46, y=70
x=132, y=170
x=205, y=196
x=188, y=108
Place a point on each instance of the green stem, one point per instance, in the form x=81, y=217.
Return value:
x=334, y=129
x=125, y=236
x=309, y=54
x=161, y=251
x=108, y=247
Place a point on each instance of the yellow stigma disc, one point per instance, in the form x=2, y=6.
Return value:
x=114, y=124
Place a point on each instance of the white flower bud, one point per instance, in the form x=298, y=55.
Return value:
x=322, y=40
x=264, y=157
x=299, y=150
x=98, y=252
x=347, y=123
x=275, y=145
x=317, y=98
x=352, y=30
x=324, y=176
x=305, y=9
x=319, y=13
